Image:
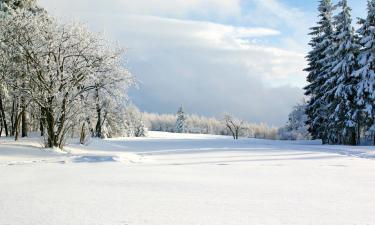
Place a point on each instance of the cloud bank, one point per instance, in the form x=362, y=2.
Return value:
x=202, y=54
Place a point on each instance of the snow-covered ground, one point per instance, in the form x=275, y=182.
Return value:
x=180, y=179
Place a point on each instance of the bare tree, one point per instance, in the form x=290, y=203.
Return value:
x=234, y=125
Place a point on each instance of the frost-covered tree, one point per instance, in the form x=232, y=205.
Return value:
x=14, y=81
x=109, y=93
x=296, y=128
x=181, y=120
x=207, y=125
x=157, y=122
x=124, y=121
x=340, y=88
x=134, y=122
x=365, y=98
x=234, y=125
x=12, y=5
x=20, y=113
x=318, y=59
x=60, y=66
x=3, y=119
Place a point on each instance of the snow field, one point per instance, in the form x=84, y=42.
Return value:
x=173, y=179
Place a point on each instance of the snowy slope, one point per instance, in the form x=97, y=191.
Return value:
x=180, y=179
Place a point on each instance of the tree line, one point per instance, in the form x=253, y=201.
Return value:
x=341, y=76
x=58, y=78
x=182, y=122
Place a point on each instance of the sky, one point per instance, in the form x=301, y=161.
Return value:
x=244, y=57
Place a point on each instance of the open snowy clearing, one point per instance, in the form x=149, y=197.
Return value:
x=180, y=179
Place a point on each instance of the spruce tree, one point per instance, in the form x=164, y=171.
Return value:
x=340, y=87
x=317, y=58
x=365, y=98
x=180, y=122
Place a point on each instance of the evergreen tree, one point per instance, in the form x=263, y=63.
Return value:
x=340, y=87
x=181, y=120
x=317, y=58
x=365, y=98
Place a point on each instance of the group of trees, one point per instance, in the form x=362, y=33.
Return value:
x=66, y=81
x=59, y=78
x=187, y=123
x=341, y=109
x=296, y=127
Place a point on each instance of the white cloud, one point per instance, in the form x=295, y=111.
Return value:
x=274, y=66
x=207, y=66
x=171, y=8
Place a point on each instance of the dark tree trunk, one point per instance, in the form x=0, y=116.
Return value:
x=83, y=134
x=17, y=127
x=24, y=118
x=50, y=124
x=358, y=133
x=14, y=114
x=98, y=127
x=41, y=127
x=42, y=121
x=351, y=138
x=2, y=115
x=61, y=130
x=55, y=138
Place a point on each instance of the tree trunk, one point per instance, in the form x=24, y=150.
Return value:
x=60, y=134
x=17, y=127
x=83, y=134
x=50, y=124
x=50, y=129
x=24, y=118
x=358, y=133
x=351, y=138
x=98, y=127
x=14, y=115
x=2, y=115
x=41, y=127
x=1, y=127
x=42, y=121
x=55, y=138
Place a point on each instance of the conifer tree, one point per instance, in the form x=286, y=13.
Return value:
x=181, y=120
x=340, y=88
x=317, y=58
x=365, y=98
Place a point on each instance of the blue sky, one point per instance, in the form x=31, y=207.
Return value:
x=357, y=5
x=245, y=57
